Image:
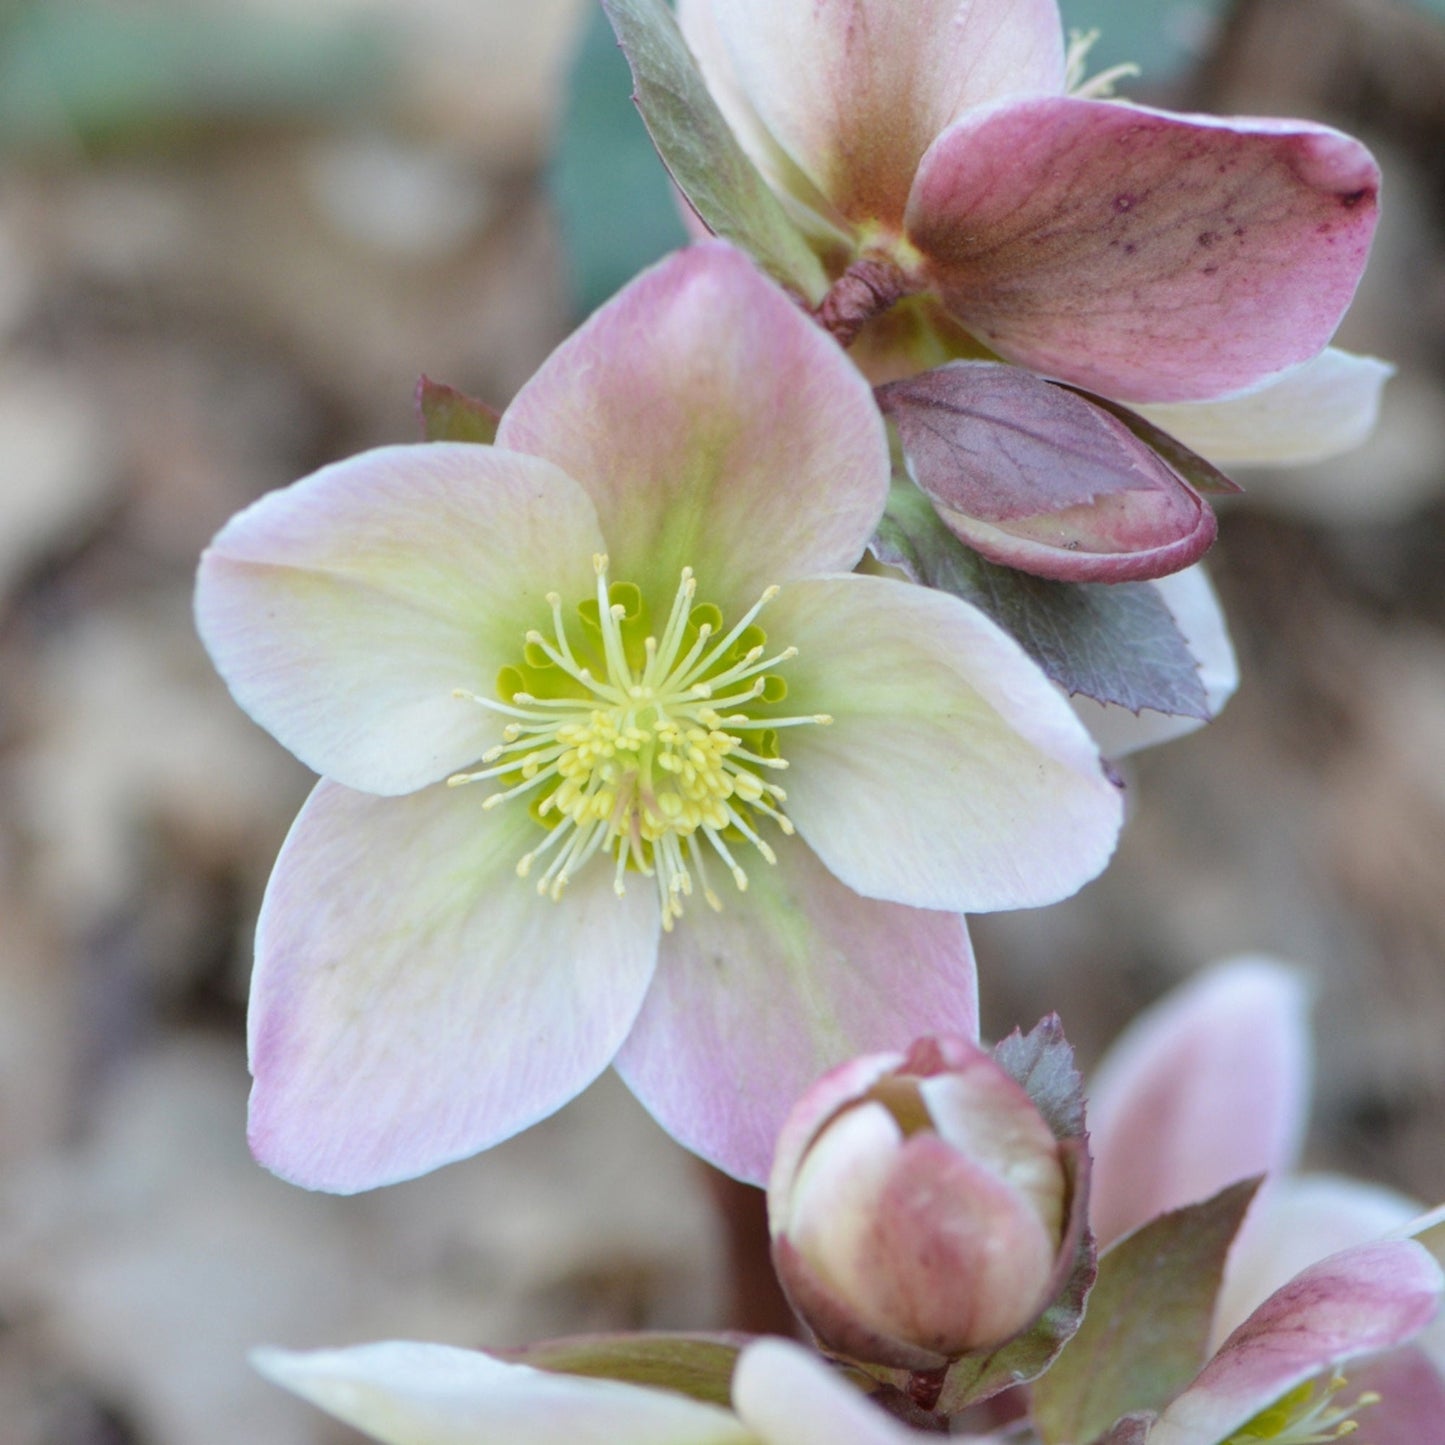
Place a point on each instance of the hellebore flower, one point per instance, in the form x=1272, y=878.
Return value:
x=621, y=654
x=403, y=1393
x=937, y=148
x=918, y=1206
x=1209, y=1086
x=1278, y=1376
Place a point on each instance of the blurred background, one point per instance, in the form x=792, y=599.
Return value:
x=231, y=237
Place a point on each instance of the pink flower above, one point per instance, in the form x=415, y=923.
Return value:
x=620, y=654
x=1146, y=256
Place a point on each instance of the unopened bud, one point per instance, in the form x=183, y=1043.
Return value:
x=917, y=1206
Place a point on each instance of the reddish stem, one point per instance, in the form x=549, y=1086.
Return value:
x=866, y=289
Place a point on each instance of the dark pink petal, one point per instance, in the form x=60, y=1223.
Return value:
x=1036, y=477
x=854, y=91
x=752, y=1004
x=1209, y=1086
x=715, y=427
x=414, y=1001
x=1145, y=256
x=1357, y=1303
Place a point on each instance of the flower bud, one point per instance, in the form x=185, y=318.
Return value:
x=917, y=1206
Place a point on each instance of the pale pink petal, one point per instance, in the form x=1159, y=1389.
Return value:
x=843, y=1085
x=790, y=1397
x=1146, y=256
x=1209, y=1086
x=1316, y=411
x=1196, y=611
x=344, y=611
x=1295, y=1223
x=414, y=1001
x=405, y=1393
x=715, y=427
x=854, y=91
x=1357, y=1303
x=953, y=775
x=1411, y=1401
x=800, y=197
x=750, y=1005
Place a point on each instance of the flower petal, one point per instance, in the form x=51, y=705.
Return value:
x=1356, y=1303
x=1209, y=1086
x=1318, y=410
x=345, y=610
x=1146, y=256
x=953, y=775
x=1196, y=611
x=752, y=1004
x=790, y=1397
x=714, y=426
x=803, y=201
x=1295, y=1223
x=414, y=1001
x=854, y=91
x=405, y=1393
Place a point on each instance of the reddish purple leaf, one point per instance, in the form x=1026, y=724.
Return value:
x=1033, y=476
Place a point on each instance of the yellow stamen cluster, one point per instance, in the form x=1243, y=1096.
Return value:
x=642, y=751
x=1308, y=1415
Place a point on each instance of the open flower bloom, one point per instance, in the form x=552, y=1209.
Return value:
x=404, y=1393
x=620, y=654
x=948, y=147
x=1280, y=1376
x=1209, y=1086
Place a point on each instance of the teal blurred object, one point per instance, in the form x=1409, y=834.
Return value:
x=1161, y=37
x=76, y=74
x=613, y=200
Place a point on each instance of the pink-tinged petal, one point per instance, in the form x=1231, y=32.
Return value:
x=414, y=1001
x=1357, y=1303
x=1209, y=1086
x=790, y=1397
x=750, y=1005
x=854, y=91
x=346, y=610
x=1145, y=256
x=1196, y=611
x=837, y=1088
x=1411, y=1401
x=800, y=197
x=405, y=1393
x=953, y=775
x=1318, y=410
x=1295, y=1223
x=714, y=426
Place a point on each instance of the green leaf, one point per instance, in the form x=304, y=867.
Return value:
x=449, y=415
x=1147, y=1331
x=1117, y=643
x=696, y=1365
x=1042, y=1062
x=699, y=149
x=615, y=209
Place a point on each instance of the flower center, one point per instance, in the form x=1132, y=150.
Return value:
x=1308, y=1415
x=654, y=749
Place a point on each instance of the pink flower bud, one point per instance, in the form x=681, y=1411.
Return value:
x=917, y=1206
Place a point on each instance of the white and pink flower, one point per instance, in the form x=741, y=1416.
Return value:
x=950, y=147
x=748, y=792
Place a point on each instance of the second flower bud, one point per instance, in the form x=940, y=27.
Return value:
x=917, y=1206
